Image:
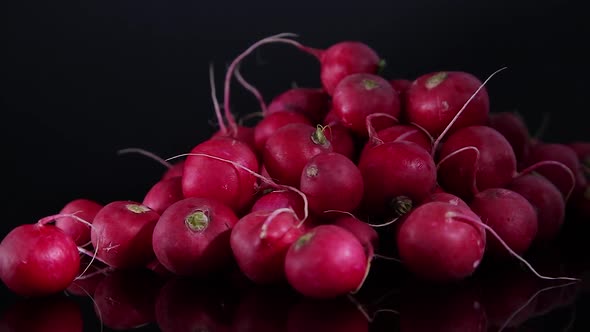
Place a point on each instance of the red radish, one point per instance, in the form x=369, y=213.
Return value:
x=473, y=159
x=192, y=236
x=85, y=209
x=395, y=175
x=290, y=148
x=272, y=122
x=125, y=299
x=435, y=243
x=243, y=134
x=163, y=194
x=366, y=234
x=326, y=262
x=334, y=315
x=45, y=314
x=359, y=95
x=38, y=259
x=563, y=154
x=435, y=98
x=176, y=170
x=514, y=129
x=510, y=215
x=341, y=138
x=547, y=201
x=206, y=177
x=446, y=198
x=313, y=104
x=331, y=181
x=122, y=234
x=281, y=198
x=582, y=149
x=407, y=133
x=260, y=240
x=400, y=85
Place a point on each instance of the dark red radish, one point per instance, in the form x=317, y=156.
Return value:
x=84, y=208
x=561, y=179
x=210, y=178
x=264, y=309
x=192, y=236
x=400, y=85
x=514, y=129
x=38, y=259
x=405, y=133
x=434, y=99
x=512, y=217
x=359, y=95
x=547, y=201
x=272, y=122
x=437, y=243
x=342, y=139
x=122, y=234
x=473, y=159
x=331, y=181
x=260, y=241
x=125, y=299
x=326, y=262
x=44, y=314
x=396, y=175
x=176, y=170
x=446, y=198
x=280, y=198
x=163, y=194
x=333, y=315
x=290, y=148
x=582, y=149
x=312, y=103
x=366, y=234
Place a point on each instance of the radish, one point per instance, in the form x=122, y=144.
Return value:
x=326, y=262
x=242, y=134
x=83, y=208
x=342, y=139
x=582, y=149
x=125, y=299
x=359, y=95
x=205, y=177
x=38, y=259
x=436, y=244
x=122, y=233
x=547, y=201
x=280, y=198
x=407, y=133
x=290, y=148
x=510, y=215
x=272, y=122
x=434, y=99
x=401, y=86
x=312, y=103
x=366, y=234
x=331, y=181
x=446, y=198
x=514, y=129
x=260, y=240
x=475, y=158
x=163, y=194
x=192, y=236
x=333, y=315
x=176, y=170
x=45, y=314
x=396, y=175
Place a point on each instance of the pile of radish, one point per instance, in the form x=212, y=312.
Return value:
x=329, y=179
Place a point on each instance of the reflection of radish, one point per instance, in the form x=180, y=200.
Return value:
x=336, y=315
x=45, y=314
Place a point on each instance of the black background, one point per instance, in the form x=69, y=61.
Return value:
x=80, y=80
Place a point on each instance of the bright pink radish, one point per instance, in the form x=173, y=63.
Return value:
x=395, y=175
x=473, y=159
x=290, y=148
x=45, y=314
x=259, y=242
x=176, y=170
x=359, y=95
x=446, y=198
x=560, y=178
x=192, y=236
x=122, y=234
x=278, y=199
x=547, y=201
x=86, y=209
x=210, y=178
x=341, y=138
x=272, y=122
x=163, y=194
x=366, y=234
x=331, y=181
x=435, y=98
x=407, y=133
x=38, y=259
x=436, y=243
x=326, y=262
x=514, y=129
x=509, y=214
x=313, y=104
